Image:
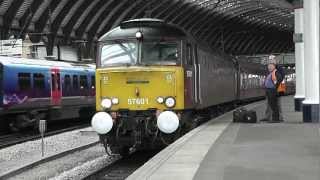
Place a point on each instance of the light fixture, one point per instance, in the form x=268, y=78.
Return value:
x=139, y=35
x=115, y=101
x=160, y=100
x=170, y=102
x=106, y=103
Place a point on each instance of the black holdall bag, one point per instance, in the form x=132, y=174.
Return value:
x=250, y=117
x=238, y=115
x=244, y=116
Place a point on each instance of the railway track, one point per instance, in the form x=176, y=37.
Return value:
x=21, y=171
x=111, y=168
x=122, y=168
x=17, y=138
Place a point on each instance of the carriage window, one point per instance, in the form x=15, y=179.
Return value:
x=58, y=81
x=83, y=82
x=93, y=82
x=75, y=82
x=38, y=81
x=155, y=52
x=55, y=81
x=24, y=80
x=119, y=53
x=67, y=82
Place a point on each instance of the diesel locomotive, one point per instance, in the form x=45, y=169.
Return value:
x=153, y=81
x=31, y=90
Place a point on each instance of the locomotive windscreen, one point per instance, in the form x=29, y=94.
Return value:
x=119, y=53
x=152, y=52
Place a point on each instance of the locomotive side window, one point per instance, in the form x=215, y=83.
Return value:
x=189, y=54
x=38, y=81
x=154, y=52
x=75, y=82
x=24, y=81
x=83, y=82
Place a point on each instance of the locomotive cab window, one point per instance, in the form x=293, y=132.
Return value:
x=24, y=80
x=163, y=52
x=118, y=53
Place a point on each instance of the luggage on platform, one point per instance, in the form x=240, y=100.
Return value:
x=244, y=116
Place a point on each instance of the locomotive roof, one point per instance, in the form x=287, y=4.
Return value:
x=44, y=63
x=150, y=28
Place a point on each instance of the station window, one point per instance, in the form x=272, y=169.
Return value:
x=24, y=80
x=93, y=82
x=75, y=82
x=38, y=81
x=83, y=82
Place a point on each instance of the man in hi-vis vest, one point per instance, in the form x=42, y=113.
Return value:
x=271, y=84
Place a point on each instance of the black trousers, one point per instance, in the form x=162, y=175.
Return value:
x=272, y=98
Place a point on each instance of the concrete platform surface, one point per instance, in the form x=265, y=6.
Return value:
x=285, y=151
x=220, y=150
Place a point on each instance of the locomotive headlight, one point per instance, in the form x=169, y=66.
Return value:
x=102, y=123
x=115, y=101
x=138, y=35
x=170, y=102
x=168, y=122
x=106, y=103
x=160, y=100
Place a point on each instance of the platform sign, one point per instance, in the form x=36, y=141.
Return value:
x=42, y=130
x=11, y=47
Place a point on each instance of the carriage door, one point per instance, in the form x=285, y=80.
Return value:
x=55, y=87
x=191, y=96
x=196, y=66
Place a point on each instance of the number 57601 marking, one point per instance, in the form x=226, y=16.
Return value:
x=138, y=101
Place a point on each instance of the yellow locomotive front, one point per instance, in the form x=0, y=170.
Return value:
x=139, y=86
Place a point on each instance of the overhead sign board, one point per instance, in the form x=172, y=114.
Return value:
x=11, y=47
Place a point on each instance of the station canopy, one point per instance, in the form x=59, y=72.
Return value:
x=234, y=26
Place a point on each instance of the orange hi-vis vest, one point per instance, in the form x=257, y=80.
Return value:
x=282, y=85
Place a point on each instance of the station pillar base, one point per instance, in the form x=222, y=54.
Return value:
x=310, y=113
x=298, y=104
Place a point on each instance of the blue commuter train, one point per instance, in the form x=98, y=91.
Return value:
x=31, y=90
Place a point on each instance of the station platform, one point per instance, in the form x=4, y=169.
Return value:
x=222, y=150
